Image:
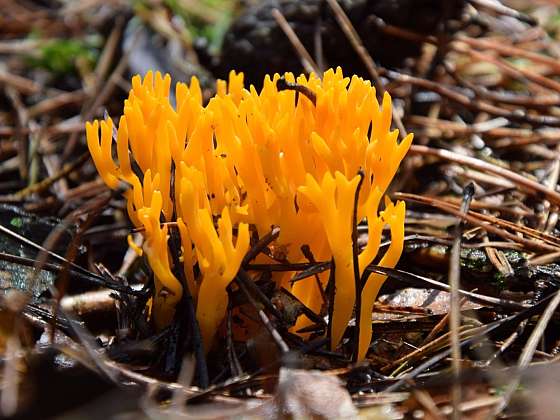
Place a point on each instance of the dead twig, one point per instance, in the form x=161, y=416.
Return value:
x=306, y=60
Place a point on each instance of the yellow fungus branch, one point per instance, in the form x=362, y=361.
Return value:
x=334, y=201
x=393, y=215
x=256, y=159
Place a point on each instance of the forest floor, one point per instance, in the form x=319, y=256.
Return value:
x=467, y=323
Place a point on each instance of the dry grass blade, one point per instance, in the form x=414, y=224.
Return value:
x=415, y=279
x=47, y=182
x=358, y=45
x=455, y=309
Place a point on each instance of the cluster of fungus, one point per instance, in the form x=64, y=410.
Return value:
x=225, y=173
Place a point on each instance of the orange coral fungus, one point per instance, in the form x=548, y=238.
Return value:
x=310, y=162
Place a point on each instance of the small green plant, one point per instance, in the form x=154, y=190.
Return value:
x=60, y=56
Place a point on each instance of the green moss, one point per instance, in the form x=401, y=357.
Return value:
x=199, y=25
x=475, y=259
x=60, y=56
x=17, y=222
x=500, y=281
